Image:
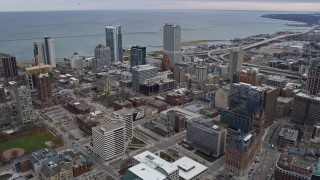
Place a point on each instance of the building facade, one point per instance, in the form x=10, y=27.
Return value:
x=305, y=107
x=50, y=56
x=9, y=66
x=24, y=105
x=201, y=72
x=313, y=84
x=206, y=137
x=171, y=42
x=140, y=74
x=138, y=55
x=44, y=87
x=235, y=62
x=114, y=42
x=102, y=57
x=108, y=140
x=39, y=53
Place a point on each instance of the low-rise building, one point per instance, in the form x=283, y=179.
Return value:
x=287, y=138
x=78, y=107
x=189, y=169
x=117, y=105
x=284, y=105
x=160, y=105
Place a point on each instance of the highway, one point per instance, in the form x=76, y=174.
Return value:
x=212, y=53
x=77, y=146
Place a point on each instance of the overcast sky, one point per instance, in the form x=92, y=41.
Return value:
x=42, y=5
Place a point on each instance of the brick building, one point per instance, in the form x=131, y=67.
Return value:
x=117, y=105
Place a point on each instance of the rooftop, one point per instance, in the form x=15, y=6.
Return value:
x=104, y=128
x=289, y=134
x=188, y=168
x=143, y=172
x=154, y=161
x=142, y=68
x=308, y=96
x=189, y=115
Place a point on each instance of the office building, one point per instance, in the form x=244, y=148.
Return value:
x=235, y=62
x=305, y=107
x=284, y=106
x=206, y=137
x=287, y=138
x=76, y=62
x=108, y=140
x=39, y=53
x=44, y=87
x=313, y=84
x=56, y=168
x=126, y=116
x=102, y=58
x=24, y=103
x=171, y=42
x=3, y=95
x=9, y=66
x=138, y=55
x=140, y=74
x=222, y=97
x=156, y=162
x=246, y=99
x=189, y=169
x=276, y=81
x=297, y=164
x=166, y=64
x=50, y=56
x=201, y=72
x=242, y=148
x=114, y=42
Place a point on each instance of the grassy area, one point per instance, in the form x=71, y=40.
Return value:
x=166, y=157
x=30, y=142
x=5, y=176
x=136, y=141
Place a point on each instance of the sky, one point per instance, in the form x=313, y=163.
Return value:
x=274, y=5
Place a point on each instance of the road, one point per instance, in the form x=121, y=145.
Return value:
x=76, y=146
x=212, y=53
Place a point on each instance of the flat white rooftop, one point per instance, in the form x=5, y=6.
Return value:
x=189, y=115
x=145, y=172
x=188, y=168
x=154, y=161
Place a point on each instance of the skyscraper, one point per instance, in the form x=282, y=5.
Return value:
x=201, y=72
x=314, y=78
x=235, y=62
x=171, y=42
x=114, y=42
x=39, y=53
x=138, y=55
x=9, y=66
x=50, y=57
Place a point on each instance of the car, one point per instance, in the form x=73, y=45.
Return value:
x=259, y=170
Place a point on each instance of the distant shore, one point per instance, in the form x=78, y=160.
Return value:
x=198, y=42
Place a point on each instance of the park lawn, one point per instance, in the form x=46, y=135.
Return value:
x=5, y=176
x=29, y=142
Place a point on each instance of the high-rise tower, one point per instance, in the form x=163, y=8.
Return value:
x=39, y=53
x=114, y=42
x=314, y=78
x=171, y=42
x=138, y=55
x=9, y=66
x=235, y=62
x=50, y=57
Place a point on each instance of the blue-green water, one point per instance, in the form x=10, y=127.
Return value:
x=18, y=30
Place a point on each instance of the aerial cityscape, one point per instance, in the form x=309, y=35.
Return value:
x=178, y=107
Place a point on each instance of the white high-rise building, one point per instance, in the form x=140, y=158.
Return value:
x=24, y=103
x=108, y=140
x=201, y=72
x=171, y=42
x=114, y=42
x=39, y=53
x=235, y=62
x=50, y=57
x=124, y=115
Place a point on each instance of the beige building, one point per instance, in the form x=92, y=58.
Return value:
x=284, y=105
x=222, y=97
